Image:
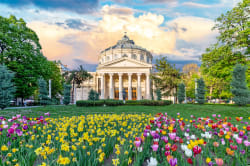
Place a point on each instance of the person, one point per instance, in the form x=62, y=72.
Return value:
x=123, y=95
x=25, y=103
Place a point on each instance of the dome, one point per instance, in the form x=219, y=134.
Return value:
x=125, y=48
x=125, y=42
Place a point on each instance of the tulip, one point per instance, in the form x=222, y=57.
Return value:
x=174, y=148
x=190, y=161
x=10, y=130
x=239, y=140
x=167, y=147
x=188, y=153
x=173, y=162
x=246, y=143
x=137, y=143
x=167, y=153
x=155, y=147
x=219, y=161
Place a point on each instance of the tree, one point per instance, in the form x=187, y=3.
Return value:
x=190, y=73
x=233, y=27
x=158, y=94
x=20, y=51
x=166, y=77
x=200, y=97
x=7, y=88
x=181, y=92
x=93, y=95
x=239, y=87
x=76, y=77
x=43, y=92
x=66, y=94
x=231, y=48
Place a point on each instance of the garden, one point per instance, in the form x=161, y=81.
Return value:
x=126, y=137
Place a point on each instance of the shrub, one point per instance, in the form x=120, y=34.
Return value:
x=239, y=86
x=93, y=95
x=181, y=92
x=200, y=97
x=113, y=102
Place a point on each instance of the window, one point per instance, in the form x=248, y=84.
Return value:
x=134, y=56
x=142, y=57
x=124, y=55
x=116, y=56
x=147, y=59
x=107, y=58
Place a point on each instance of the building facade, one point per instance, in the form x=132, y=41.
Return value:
x=123, y=69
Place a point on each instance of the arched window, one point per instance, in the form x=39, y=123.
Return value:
x=125, y=55
x=142, y=57
x=134, y=56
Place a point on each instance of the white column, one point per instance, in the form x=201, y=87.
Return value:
x=102, y=86
x=120, y=86
x=138, y=86
x=148, y=86
x=129, y=86
x=111, y=87
x=50, y=88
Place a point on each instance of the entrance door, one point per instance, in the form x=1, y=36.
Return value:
x=134, y=95
x=126, y=90
x=116, y=93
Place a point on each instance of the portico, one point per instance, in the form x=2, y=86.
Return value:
x=136, y=85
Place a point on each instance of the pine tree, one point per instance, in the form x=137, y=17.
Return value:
x=7, y=88
x=158, y=94
x=93, y=95
x=200, y=96
x=66, y=93
x=43, y=92
x=181, y=92
x=239, y=87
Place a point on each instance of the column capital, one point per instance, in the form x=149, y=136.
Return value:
x=120, y=74
x=111, y=74
x=130, y=74
x=139, y=74
x=101, y=74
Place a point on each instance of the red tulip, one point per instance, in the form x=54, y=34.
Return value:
x=190, y=161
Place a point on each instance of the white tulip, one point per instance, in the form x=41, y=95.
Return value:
x=188, y=153
x=152, y=162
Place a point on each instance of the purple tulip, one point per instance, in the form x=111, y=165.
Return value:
x=19, y=132
x=187, y=130
x=25, y=127
x=173, y=162
x=10, y=130
x=245, y=137
x=47, y=114
x=241, y=133
x=242, y=152
x=210, y=163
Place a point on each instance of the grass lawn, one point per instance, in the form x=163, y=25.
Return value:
x=185, y=109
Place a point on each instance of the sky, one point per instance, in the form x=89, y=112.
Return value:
x=76, y=31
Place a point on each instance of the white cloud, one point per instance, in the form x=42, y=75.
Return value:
x=198, y=5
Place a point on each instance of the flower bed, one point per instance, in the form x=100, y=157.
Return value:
x=196, y=141
x=78, y=140
x=126, y=139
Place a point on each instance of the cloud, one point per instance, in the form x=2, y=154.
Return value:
x=196, y=5
x=79, y=6
x=182, y=38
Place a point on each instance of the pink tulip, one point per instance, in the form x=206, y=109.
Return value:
x=172, y=135
x=219, y=161
x=155, y=147
x=246, y=143
x=167, y=153
x=137, y=143
x=167, y=147
x=239, y=140
x=18, y=115
x=10, y=130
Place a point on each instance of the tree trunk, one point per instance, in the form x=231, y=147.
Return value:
x=210, y=92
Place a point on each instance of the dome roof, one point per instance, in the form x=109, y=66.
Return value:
x=125, y=42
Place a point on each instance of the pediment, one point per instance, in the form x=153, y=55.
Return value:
x=125, y=63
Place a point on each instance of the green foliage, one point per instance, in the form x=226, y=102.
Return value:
x=7, y=88
x=239, y=88
x=20, y=51
x=166, y=77
x=200, y=98
x=43, y=92
x=158, y=94
x=93, y=95
x=76, y=77
x=149, y=102
x=66, y=94
x=181, y=92
x=88, y=103
x=231, y=48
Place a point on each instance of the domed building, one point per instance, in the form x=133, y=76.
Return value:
x=123, y=70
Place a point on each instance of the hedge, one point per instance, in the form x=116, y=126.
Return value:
x=149, y=102
x=87, y=103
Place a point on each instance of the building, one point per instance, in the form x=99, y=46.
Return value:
x=123, y=68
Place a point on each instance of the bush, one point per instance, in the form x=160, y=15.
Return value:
x=88, y=103
x=149, y=102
